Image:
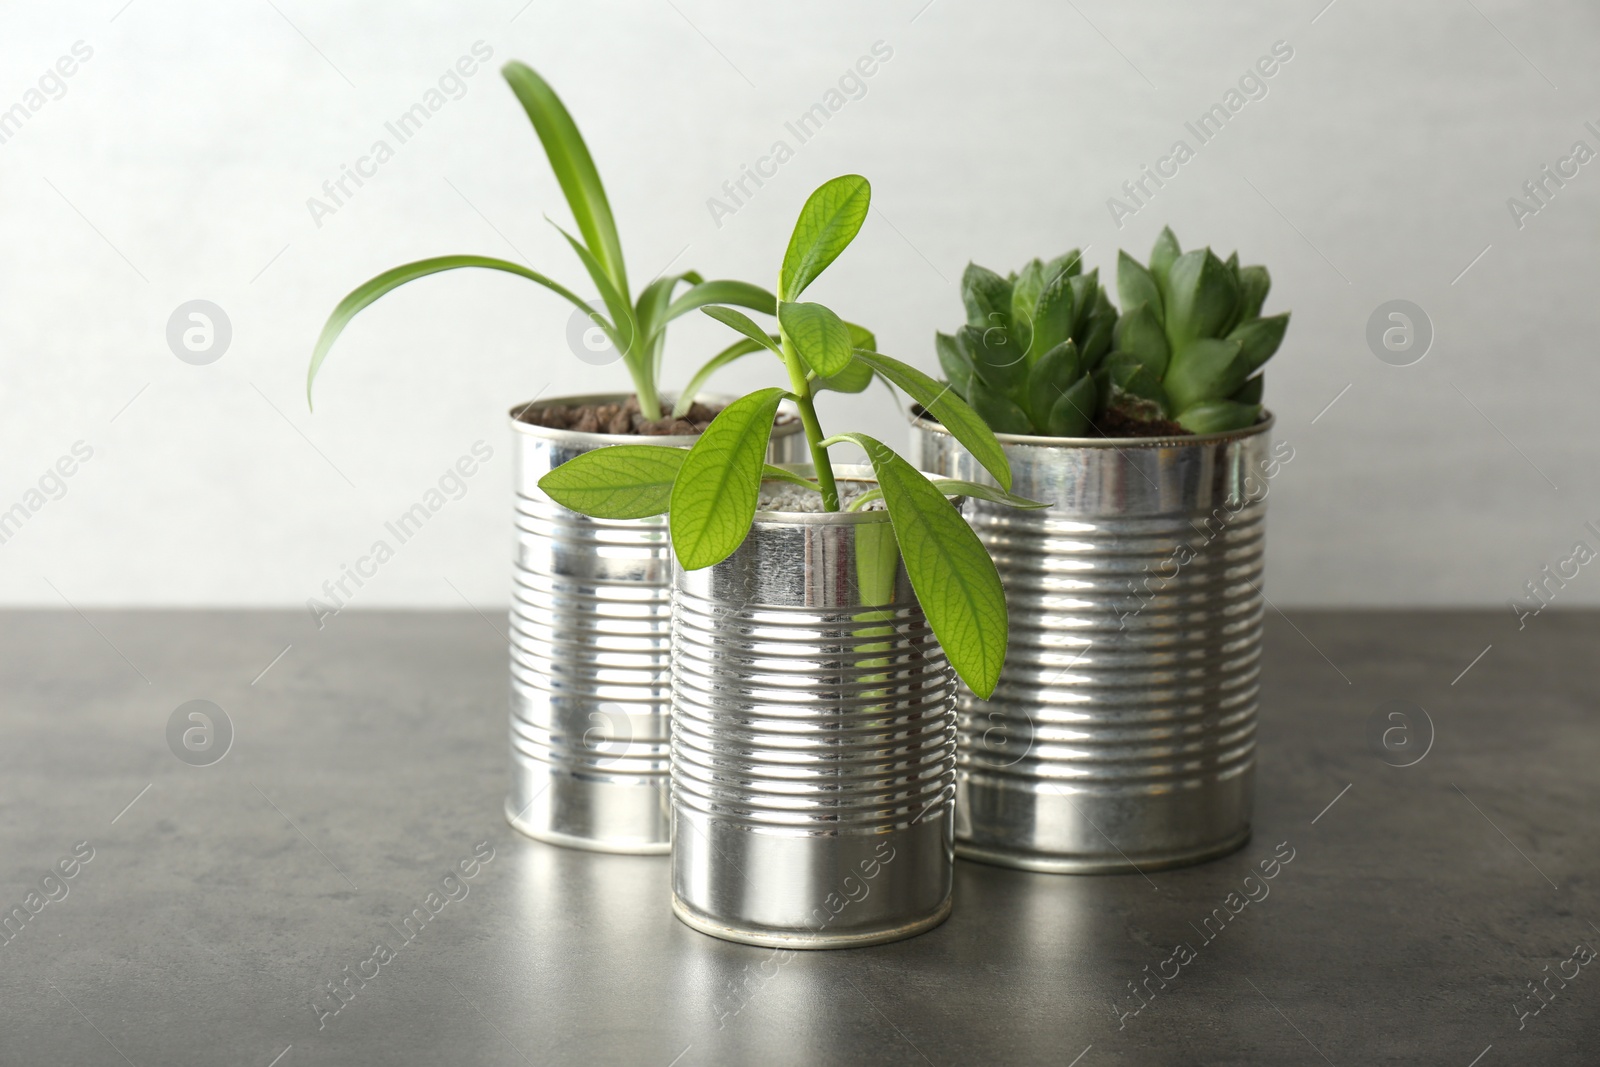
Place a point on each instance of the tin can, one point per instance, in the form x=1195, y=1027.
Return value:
x=590, y=653
x=813, y=739
x=1122, y=735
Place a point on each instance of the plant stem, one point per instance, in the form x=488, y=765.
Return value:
x=644, y=385
x=801, y=388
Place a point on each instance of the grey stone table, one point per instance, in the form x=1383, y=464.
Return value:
x=209, y=907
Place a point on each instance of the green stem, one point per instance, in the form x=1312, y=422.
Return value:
x=644, y=384
x=801, y=388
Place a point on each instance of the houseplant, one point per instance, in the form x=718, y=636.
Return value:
x=814, y=639
x=590, y=642
x=1122, y=732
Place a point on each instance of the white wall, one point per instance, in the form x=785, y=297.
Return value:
x=178, y=163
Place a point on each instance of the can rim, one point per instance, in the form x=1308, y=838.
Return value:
x=920, y=418
x=598, y=439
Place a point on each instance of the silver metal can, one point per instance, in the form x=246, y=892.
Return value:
x=813, y=739
x=590, y=653
x=1122, y=734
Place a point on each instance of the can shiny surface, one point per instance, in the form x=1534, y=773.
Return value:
x=1122, y=734
x=813, y=739
x=590, y=654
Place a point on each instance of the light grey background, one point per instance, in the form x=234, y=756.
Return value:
x=178, y=163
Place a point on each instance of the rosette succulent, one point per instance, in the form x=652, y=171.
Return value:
x=1025, y=358
x=1191, y=340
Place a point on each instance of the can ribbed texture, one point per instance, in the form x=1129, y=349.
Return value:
x=813, y=739
x=590, y=655
x=1122, y=734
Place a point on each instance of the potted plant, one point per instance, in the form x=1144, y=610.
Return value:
x=589, y=621
x=1121, y=733
x=820, y=616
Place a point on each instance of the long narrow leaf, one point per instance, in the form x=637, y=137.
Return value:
x=574, y=169
x=744, y=324
x=375, y=288
x=719, y=291
x=714, y=496
x=954, y=579
x=943, y=404
x=653, y=300
x=625, y=328
x=734, y=351
x=618, y=482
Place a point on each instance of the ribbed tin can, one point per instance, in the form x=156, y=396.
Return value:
x=1122, y=734
x=590, y=653
x=813, y=739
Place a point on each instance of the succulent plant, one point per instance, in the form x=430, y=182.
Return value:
x=1191, y=339
x=1024, y=359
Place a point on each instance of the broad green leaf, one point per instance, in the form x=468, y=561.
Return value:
x=625, y=328
x=954, y=362
x=371, y=290
x=997, y=410
x=994, y=356
x=829, y=221
x=855, y=377
x=819, y=336
x=1136, y=286
x=1219, y=416
x=617, y=482
x=574, y=169
x=861, y=337
x=734, y=351
x=987, y=297
x=1201, y=297
x=1254, y=282
x=1163, y=255
x=1073, y=411
x=1250, y=392
x=714, y=496
x=742, y=322
x=1054, y=313
x=1259, y=339
x=1208, y=369
x=1141, y=336
x=1051, y=375
x=954, y=579
x=719, y=291
x=940, y=401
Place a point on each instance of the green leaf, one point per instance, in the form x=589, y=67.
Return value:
x=1219, y=416
x=819, y=336
x=1064, y=265
x=1163, y=255
x=574, y=169
x=769, y=473
x=617, y=482
x=742, y=322
x=1208, y=369
x=734, y=351
x=652, y=302
x=1072, y=413
x=941, y=401
x=997, y=410
x=1051, y=375
x=960, y=487
x=1141, y=336
x=1085, y=288
x=1201, y=297
x=855, y=377
x=624, y=328
x=994, y=356
x=861, y=337
x=1125, y=373
x=1259, y=339
x=951, y=573
x=957, y=367
x=371, y=290
x=1102, y=326
x=1250, y=392
x=1136, y=286
x=1254, y=282
x=1024, y=301
x=829, y=221
x=714, y=496
x=1054, y=314
x=720, y=291
x=987, y=297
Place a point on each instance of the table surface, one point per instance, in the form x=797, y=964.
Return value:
x=368, y=761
